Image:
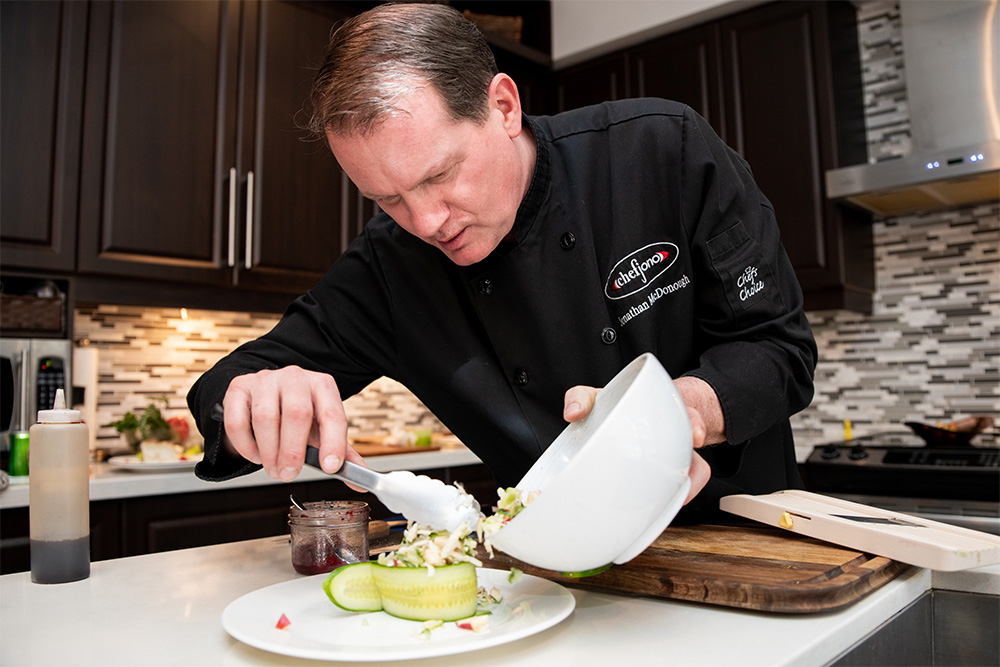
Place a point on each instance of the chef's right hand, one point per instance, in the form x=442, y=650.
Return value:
x=272, y=416
x=579, y=401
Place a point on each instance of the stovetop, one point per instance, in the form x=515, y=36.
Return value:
x=901, y=464
x=910, y=439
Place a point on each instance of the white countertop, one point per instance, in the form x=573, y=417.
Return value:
x=166, y=608
x=107, y=482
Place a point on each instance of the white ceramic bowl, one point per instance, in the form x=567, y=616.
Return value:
x=611, y=483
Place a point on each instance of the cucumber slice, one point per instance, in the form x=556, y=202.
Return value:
x=352, y=587
x=408, y=592
x=587, y=573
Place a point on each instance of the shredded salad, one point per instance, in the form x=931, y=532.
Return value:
x=427, y=547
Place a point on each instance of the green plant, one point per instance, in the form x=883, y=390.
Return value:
x=149, y=425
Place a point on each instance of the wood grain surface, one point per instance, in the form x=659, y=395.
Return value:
x=378, y=449
x=749, y=567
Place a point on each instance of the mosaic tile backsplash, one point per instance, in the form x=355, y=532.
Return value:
x=928, y=352
x=145, y=354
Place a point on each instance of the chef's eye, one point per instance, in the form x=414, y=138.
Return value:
x=437, y=178
x=387, y=201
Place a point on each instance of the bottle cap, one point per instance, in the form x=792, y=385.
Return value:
x=59, y=414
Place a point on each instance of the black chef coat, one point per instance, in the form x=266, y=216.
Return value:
x=641, y=231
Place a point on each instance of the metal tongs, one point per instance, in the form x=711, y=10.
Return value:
x=422, y=499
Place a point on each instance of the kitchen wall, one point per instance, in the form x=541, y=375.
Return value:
x=928, y=352
x=144, y=354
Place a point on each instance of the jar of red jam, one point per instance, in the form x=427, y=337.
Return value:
x=328, y=534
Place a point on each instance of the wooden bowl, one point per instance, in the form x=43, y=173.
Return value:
x=956, y=434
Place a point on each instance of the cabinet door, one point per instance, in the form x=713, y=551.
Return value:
x=159, y=134
x=602, y=80
x=781, y=116
x=303, y=209
x=683, y=67
x=41, y=65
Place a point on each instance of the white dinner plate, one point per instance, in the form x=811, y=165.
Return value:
x=135, y=464
x=320, y=630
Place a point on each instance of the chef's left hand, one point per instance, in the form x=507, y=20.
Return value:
x=579, y=401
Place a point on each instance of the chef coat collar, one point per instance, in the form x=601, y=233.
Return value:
x=532, y=202
x=538, y=189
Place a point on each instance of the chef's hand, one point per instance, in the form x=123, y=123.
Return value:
x=272, y=415
x=704, y=413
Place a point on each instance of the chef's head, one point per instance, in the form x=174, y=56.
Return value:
x=411, y=104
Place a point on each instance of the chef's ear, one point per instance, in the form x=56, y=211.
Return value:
x=505, y=98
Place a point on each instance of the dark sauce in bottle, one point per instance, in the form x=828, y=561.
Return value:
x=60, y=561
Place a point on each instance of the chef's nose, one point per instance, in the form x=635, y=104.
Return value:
x=427, y=215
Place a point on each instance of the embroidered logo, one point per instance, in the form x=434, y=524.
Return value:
x=748, y=283
x=634, y=272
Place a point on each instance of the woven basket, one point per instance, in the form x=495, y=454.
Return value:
x=31, y=313
x=509, y=27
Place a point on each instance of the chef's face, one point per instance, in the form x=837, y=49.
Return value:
x=455, y=185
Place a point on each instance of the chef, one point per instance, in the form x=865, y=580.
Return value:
x=518, y=264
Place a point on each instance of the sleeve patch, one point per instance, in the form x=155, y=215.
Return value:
x=745, y=273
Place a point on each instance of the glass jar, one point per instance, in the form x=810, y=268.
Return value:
x=328, y=534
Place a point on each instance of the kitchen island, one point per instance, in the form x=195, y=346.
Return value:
x=166, y=609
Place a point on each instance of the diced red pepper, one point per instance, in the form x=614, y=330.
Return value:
x=475, y=624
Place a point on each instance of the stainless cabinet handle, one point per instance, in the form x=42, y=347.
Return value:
x=248, y=258
x=231, y=258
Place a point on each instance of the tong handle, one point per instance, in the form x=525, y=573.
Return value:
x=349, y=472
x=360, y=476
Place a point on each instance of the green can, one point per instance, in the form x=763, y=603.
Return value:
x=19, y=454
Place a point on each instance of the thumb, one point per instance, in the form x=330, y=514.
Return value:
x=578, y=402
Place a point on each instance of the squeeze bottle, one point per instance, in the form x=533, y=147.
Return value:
x=59, y=495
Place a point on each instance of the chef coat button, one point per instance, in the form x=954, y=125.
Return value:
x=567, y=240
x=521, y=378
x=609, y=335
x=486, y=287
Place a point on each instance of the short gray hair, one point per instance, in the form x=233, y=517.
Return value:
x=389, y=52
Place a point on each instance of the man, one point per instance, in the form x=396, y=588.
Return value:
x=518, y=263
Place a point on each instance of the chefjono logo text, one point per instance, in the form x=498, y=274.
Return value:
x=634, y=272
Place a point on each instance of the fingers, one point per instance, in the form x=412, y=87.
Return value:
x=295, y=422
x=698, y=428
x=578, y=402
x=699, y=472
x=272, y=415
x=354, y=457
x=237, y=421
x=332, y=428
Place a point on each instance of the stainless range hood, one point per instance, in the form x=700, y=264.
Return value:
x=951, y=66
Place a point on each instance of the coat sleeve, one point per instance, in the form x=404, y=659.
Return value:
x=758, y=351
x=342, y=327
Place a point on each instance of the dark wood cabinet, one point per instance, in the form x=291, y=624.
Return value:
x=685, y=67
x=789, y=95
x=194, y=167
x=781, y=84
x=304, y=210
x=601, y=80
x=42, y=52
x=152, y=151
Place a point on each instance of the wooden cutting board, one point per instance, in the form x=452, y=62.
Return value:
x=749, y=567
x=378, y=449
